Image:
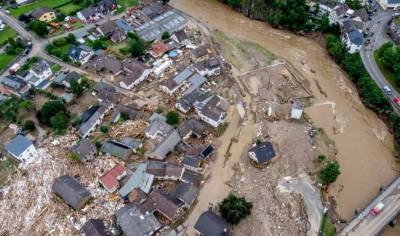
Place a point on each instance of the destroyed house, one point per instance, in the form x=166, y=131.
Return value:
x=106, y=92
x=209, y=67
x=133, y=223
x=181, y=37
x=211, y=110
x=164, y=170
x=85, y=150
x=71, y=191
x=139, y=179
x=191, y=162
x=135, y=73
x=167, y=205
x=110, y=180
x=121, y=109
x=158, y=126
x=191, y=177
x=14, y=85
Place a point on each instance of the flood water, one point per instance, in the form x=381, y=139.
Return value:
x=365, y=148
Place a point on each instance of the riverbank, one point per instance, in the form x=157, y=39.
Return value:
x=360, y=136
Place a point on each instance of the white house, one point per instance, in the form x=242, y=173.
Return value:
x=338, y=14
x=297, y=110
x=209, y=67
x=211, y=110
x=41, y=70
x=21, y=148
x=170, y=86
x=97, y=117
x=81, y=54
x=352, y=35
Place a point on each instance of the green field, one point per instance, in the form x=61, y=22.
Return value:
x=67, y=9
x=40, y=3
x=5, y=60
x=5, y=34
x=124, y=4
x=390, y=76
x=327, y=228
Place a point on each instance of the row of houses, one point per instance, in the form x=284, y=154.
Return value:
x=38, y=76
x=351, y=23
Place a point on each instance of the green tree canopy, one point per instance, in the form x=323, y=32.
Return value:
x=233, y=209
x=50, y=109
x=39, y=27
x=172, y=117
x=59, y=122
x=329, y=172
x=77, y=88
x=29, y=125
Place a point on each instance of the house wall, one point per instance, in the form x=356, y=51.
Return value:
x=44, y=75
x=180, y=108
x=142, y=77
x=28, y=153
x=351, y=47
x=209, y=121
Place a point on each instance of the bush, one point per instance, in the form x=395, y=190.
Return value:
x=165, y=35
x=98, y=144
x=124, y=116
x=233, y=209
x=50, y=109
x=172, y=117
x=29, y=125
x=104, y=129
x=329, y=172
x=39, y=27
x=59, y=122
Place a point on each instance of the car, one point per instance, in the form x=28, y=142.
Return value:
x=387, y=90
x=397, y=101
x=7, y=11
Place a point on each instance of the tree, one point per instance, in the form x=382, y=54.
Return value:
x=39, y=27
x=98, y=144
x=59, y=122
x=234, y=3
x=233, y=209
x=172, y=117
x=29, y=125
x=104, y=129
x=98, y=44
x=77, y=88
x=60, y=17
x=124, y=116
x=329, y=172
x=354, y=4
x=165, y=35
x=50, y=109
x=136, y=48
x=71, y=38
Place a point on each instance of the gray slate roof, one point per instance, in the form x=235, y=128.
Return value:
x=134, y=223
x=191, y=125
x=139, y=179
x=83, y=148
x=210, y=224
x=186, y=193
x=166, y=145
x=114, y=148
x=18, y=145
x=264, y=152
x=356, y=37
x=73, y=193
x=95, y=227
x=38, y=12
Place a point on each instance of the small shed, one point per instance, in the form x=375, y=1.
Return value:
x=262, y=153
x=297, y=109
x=71, y=191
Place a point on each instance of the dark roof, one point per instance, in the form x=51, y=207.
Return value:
x=200, y=51
x=186, y=193
x=191, y=177
x=69, y=189
x=88, y=12
x=163, y=203
x=191, y=125
x=117, y=149
x=88, y=113
x=350, y=25
x=356, y=37
x=120, y=109
x=153, y=10
x=75, y=52
x=40, y=66
x=108, y=27
x=186, y=102
x=95, y=227
x=104, y=63
x=193, y=161
x=207, y=151
x=38, y=12
x=362, y=13
x=18, y=145
x=181, y=35
x=210, y=224
x=84, y=148
x=264, y=152
x=340, y=9
x=106, y=92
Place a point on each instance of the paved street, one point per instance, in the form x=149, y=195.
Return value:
x=378, y=25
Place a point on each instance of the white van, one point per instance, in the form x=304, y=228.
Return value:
x=387, y=90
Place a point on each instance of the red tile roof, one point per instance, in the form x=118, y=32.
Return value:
x=158, y=48
x=110, y=179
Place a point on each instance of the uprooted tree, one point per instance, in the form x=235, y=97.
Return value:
x=233, y=209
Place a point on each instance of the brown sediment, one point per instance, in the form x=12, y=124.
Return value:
x=365, y=147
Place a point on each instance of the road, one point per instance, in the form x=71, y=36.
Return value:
x=377, y=25
x=39, y=44
x=365, y=224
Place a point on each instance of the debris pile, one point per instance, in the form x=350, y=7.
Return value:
x=130, y=128
x=37, y=210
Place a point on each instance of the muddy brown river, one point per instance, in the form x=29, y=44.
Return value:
x=365, y=148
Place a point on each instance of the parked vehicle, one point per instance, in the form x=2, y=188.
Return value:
x=377, y=209
x=13, y=69
x=387, y=90
x=397, y=101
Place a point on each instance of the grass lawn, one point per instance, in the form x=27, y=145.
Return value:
x=39, y=3
x=327, y=228
x=67, y=9
x=5, y=60
x=6, y=33
x=7, y=167
x=55, y=68
x=124, y=4
x=116, y=47
x=65, y=48
x=390, y=77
